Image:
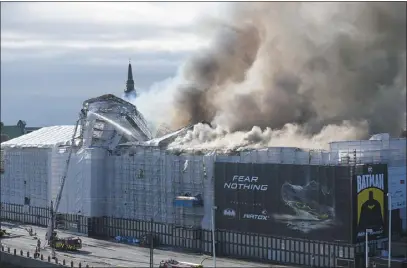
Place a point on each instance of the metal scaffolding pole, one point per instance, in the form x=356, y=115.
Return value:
x=390, y=207
x=151, y=243
x=213, y=236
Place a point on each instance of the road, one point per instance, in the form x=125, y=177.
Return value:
x=99, y=253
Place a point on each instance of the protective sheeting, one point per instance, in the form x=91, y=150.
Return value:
x=32, y=176
x=25, y=180
x=27, y=176
x=46, y=137
x=74, y=192
x=85, y=188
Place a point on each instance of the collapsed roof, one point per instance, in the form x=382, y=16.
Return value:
x=113, y=120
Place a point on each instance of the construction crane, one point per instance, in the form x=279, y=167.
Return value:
x=55, y=242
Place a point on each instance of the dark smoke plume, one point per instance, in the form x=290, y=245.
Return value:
x=304, y=66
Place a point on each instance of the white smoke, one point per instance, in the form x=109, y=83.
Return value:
x=204, y=137
x=156, y=103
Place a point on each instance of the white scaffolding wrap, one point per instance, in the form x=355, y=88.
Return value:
x=27, y=166
x=26, y=176
x=75, y=192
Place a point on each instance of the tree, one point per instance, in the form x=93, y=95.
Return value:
x=3, y=138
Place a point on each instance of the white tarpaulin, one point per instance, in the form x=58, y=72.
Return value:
x=397, y=187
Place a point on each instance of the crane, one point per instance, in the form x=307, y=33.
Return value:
x=54, y=241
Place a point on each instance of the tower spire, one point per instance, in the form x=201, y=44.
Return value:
x=130, y=81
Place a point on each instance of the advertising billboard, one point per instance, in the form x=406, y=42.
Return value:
x=284, y=200
x=370, y=186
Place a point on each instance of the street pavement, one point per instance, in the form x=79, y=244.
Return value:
x=99, y=253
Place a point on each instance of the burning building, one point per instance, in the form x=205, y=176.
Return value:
x=298, y=205
x=118, y=171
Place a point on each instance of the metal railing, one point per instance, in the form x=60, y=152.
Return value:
x=249, y=246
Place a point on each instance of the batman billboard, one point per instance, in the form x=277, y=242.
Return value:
x=370, y=201
x=284, y=200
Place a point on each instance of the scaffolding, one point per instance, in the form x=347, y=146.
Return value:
x=139, y=185
x=188, y=181
x=147, y=181
x=391, y=152
x=25, y=180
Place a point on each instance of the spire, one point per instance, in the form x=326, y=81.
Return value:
x=130, y=81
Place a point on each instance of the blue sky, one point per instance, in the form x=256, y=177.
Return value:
x=56, y=55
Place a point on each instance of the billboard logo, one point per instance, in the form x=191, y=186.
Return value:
x=370, y=181
x=245, y=183
x=264, y=212
x=262, y=217
x=229, y=212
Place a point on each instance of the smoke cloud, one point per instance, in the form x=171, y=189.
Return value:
x=293, y=74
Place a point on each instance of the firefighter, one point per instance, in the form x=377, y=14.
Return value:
x=36, y=253
x=53, y=253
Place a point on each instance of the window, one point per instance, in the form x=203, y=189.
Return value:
x=26, y=201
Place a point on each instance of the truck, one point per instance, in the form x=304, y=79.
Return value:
x=66, y=243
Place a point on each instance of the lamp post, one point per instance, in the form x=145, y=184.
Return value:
x=367, y=247
x=213, y=236
x=390, y=208
x=152, y=239
x=151, y=243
